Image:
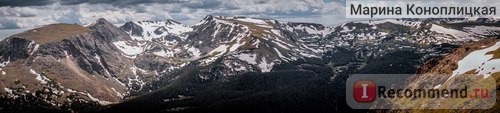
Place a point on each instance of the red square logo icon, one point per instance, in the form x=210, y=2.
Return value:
x=364, y=91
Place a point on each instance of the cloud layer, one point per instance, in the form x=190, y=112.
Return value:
x=15, y=14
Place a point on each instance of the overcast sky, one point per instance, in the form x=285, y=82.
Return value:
x=18, y=15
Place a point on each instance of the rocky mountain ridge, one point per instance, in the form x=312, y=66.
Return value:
x=102, y=64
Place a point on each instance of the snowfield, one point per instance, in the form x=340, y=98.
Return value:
x=251, y=20
x=480, y=61
x=455, y=33
x=167, y=28
x=483, y=30
x=394, y=21
x=129, y=50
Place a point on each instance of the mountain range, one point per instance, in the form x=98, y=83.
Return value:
x=222, y=64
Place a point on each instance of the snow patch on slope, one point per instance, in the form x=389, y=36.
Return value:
x=3, y=64
x=312, y=30
x=194, y=51
x=252, y=59
x=8, y=90
x=166, y=28
x=264, y=66
x=394, y=21
x=128, y=49
x=251, y=20
x=102, y=102
x=220, y=49
x=98, y=58
x=249, y=58
x=453, y=32
x=164, y=53
x=42, y=79
x=483, y=30
x=480, y=61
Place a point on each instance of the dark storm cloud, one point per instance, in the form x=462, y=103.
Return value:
x=24, y=2
x=203, y=4
x=118, y=2
x=14, y=3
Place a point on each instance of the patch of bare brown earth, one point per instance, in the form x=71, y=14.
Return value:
x=53, y=32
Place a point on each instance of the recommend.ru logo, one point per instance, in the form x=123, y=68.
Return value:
x=399, y=91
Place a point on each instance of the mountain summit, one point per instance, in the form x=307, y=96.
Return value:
x=64, y=63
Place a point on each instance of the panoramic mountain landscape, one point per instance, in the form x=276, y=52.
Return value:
x=230, y=64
